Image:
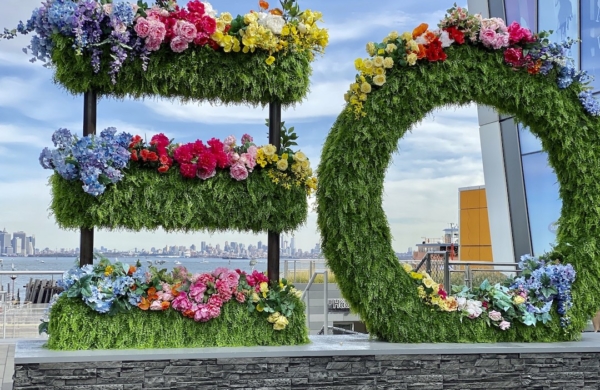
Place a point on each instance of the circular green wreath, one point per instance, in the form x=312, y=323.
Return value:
x=356, y=238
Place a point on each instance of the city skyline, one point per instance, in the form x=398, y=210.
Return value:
x=421, y=187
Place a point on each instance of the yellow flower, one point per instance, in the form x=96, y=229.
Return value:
x=378, y=61
x=381, y=52
x=255, y=297
x=282, y=164
x=407, y=35
x=270, y=60
x=259, y=308
x=388, y=62
x=300, y=157
x=393, y=35
x=365, y=87
x=354, y=87
x=518, y=300
x=412, y=45
x=379, y=80
x=371, y=49
x=347, y=97
x=390, y=48
x=411, y=59
x=285, y=31
x=251, y=17
x=363, y=97
x=379, y=71
x=416, y=275
x=108, y=270
x=273, y=317
x=264, y=287
x=367, y=65
x=428, y=282
x=407, y=267
x=226, y=17
x=421, y=292
x=281, y=323
x=269, y=150
x=359, y=63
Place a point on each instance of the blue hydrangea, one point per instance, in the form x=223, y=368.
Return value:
x=590, y=104
x=122, y=12
x=61, y=16
x=120, y=285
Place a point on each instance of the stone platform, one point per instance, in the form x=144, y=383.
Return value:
x=329, y=362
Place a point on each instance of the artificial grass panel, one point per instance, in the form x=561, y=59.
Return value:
x=198, y=74
x=146, y=199
x=75, y=326
x=356, y=238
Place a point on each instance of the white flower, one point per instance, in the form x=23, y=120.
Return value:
x=445, y=38
x=473, y=308
x=209, y=10
x=302, y=28
x=461, y=302
x=274, y=23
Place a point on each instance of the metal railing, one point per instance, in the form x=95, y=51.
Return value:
x=438, y=265
x=305, y=294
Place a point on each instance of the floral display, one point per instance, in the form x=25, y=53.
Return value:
x=121, y=31
x=528, y=298
x=96, y=161
x=112, y=288
x=521, y=49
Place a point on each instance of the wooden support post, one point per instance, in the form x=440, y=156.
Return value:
x=273, y=238
x=86, y=241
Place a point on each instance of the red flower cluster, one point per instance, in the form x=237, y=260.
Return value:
x=455, y=34
x=255, y=279
x=198, y=160
x=434, y=50
x=157, y=152
x=191, y=24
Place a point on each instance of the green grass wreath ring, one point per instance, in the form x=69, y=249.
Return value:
x=147, y=200
x=199, y=74
x=355, y=232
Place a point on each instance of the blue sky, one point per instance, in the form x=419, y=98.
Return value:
x=440, y=155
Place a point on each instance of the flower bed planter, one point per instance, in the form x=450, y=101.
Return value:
x=199, y=74
x=145, y=199
x=74, y=326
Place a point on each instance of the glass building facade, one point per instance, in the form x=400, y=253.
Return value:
x=530, y=182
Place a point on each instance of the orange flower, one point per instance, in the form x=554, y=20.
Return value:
x=175, y=289
x=144, y=304
x=189, y=313
x=152, y=294
x=429, y=36
x=131, y=270
x=263, y=4
x=421, y=28
x=165, y=305
x=422, y=52
x=163, y=168
x=276, y=11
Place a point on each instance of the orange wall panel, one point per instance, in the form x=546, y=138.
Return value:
x=484, y=228
x=469, y=227
x=469, y=253
x=482, y=198
x=485, y=253
x=474, y=230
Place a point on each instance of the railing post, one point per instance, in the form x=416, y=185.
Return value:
x=325, y=304
x=447, y=273
x=428, y=264
x=273, y=237
x=86, y=241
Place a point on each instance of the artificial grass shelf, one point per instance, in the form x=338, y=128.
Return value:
x=75, y=326
x=198, y=74
x=145, y=199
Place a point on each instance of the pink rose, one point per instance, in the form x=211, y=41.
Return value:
x=205, y=174
x=495, y=315
x=179, y=44
x=215, y=300
x=186, y=30
x=231, y=277
x=219, y=270
x=157, y=31
x=233, y=157
x=246, y=138
x=214, y=311
x=182, y=302
x=513, y=56
x=202, y=313
x=156, y=305
x=240, y=297
x=504, y=325
x=500, y=41
x=142, y=27
x=249, y=161
x=253, y=150
x=518, y=33
x=238, y=172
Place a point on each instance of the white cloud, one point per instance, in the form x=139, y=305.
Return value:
x=10, y=134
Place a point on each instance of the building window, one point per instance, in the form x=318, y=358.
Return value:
x=562, y=17
x=590, y=40
x=523, y=12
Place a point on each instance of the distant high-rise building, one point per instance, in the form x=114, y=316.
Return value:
x=5, y=241
x=193, y=247
x=259, y=246
x=203, y=246
x=23, y=236
x=293, y=244
x=17, y=244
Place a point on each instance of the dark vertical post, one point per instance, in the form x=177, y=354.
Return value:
x=273, y=239
x=86, y=241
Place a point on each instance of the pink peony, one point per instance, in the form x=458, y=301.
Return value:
x=215, y=300
x=182, y=302
x=214, y=311
x=202, y=313
x=205, y=174
x=179, y=44
x=519, y=34
x=231, y=277
x=504, y=325
x=246, y=138
x=158, y=31
x=513, y=56
x=218, y=271
x=187, y=170
x=233, y=157
x=253, y=150
x=238, y=171
x=186, y=30
x=495, y=315
x=197, y=291
x=153, y=44
x=249, y=161
x=224, y=290
x=156, y=305
x=206, y=278
x=228, y=143
x=240, y=297
x=490, y=38
x=207, y=24
x=202, y=38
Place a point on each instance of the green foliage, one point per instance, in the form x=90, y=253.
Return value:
x=356, y=238
x=145, y=199
x=288, y=137
x=198, y=74
x=74, y=326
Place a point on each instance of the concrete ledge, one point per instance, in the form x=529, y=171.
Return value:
x=32, y=351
